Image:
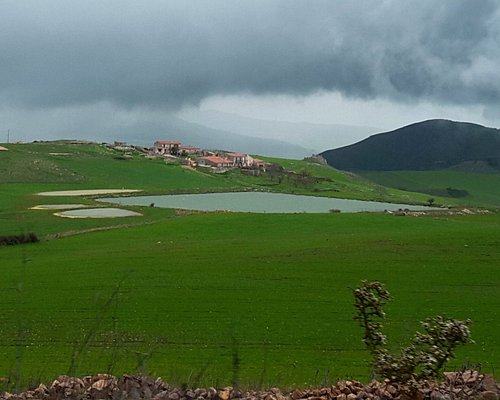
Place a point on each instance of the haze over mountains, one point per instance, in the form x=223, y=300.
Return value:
x=427, y=145
x=218, y=130
x=207, y=129
x=146, y=131
x=202, y=136
x=313, y=137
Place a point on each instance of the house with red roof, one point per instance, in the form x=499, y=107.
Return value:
x=215, y=162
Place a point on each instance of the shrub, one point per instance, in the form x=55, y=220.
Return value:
x=12, y=240
x=427, y=353
x=457, y=193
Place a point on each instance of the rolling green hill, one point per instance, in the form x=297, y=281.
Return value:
x=182, y=295
x=428, y=145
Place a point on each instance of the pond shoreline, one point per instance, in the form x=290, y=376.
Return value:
x=260, y=202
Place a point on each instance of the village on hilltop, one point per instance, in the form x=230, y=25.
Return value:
x=191, y=156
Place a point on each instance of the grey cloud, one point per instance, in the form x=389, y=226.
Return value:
x=165, y=54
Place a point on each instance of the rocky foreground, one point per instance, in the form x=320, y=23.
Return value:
x=457, y=385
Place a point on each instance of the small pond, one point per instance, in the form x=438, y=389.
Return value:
x=258, y=202
x=98, y=213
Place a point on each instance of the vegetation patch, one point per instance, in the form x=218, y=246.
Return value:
x=428, y=352
x=457, y=193
x=12, y=240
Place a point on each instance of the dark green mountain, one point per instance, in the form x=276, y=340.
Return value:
x=428, y=145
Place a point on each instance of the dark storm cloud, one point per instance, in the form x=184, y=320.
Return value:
x=172, y=53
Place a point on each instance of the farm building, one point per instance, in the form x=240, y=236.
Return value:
x=166, y=147
x=189, y=149
x=214, y=161
x=238, y=159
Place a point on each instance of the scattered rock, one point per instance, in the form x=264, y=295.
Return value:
x=489, y=395
x=457, y=386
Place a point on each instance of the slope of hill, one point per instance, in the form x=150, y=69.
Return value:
x=428, y=145
x=96, y=166
x=467, y=187
x=36, y=167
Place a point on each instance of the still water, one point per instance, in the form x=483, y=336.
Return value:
x=258, y=202
x=97, y=213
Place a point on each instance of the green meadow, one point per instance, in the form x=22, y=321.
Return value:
x=263, y=299
x=478, y=189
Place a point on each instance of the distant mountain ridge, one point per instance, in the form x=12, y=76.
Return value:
x=428, y=145
x=146, y=131
x=312, y=136
x=201, y=136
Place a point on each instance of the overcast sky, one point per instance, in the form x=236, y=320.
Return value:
x=71, y=64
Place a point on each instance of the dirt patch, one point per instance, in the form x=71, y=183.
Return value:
x=89, y=192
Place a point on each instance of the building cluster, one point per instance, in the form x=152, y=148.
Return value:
x=216, y=159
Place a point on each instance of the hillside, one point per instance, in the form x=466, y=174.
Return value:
x=428, y=145
x=468, y=187
x=44, y=166
x=92, y=165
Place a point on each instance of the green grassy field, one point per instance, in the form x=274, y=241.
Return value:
x=483, y=188
x=276, y=285
x=181, y=296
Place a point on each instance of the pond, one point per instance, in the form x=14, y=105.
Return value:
x=98, y=213
x=258, y=202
